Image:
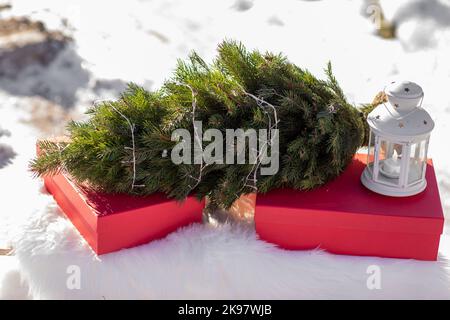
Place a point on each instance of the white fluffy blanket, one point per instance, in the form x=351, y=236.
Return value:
x=211, y=262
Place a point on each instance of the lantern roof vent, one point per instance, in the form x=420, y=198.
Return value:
x=402, y=117
x=404, y=89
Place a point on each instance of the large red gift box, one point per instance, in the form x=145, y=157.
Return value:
x=344, y=217
x=112, y=222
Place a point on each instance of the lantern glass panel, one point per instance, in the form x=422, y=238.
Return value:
x=390, y=162
x=417, y=162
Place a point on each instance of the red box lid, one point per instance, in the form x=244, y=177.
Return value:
x=103, y=211
x=110, y=222
x=346, y=203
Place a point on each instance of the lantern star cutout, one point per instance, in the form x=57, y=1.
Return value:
x=377, y=117
x=396, y=105
x=425, y=122
x=407, y=89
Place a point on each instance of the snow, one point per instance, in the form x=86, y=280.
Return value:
x=119, y=41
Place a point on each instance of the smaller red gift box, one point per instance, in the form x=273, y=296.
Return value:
x=344, y=217
x=113, y=222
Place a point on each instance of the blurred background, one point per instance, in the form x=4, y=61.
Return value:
x=58, y=57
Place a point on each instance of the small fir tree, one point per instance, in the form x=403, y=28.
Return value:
x=125, y=145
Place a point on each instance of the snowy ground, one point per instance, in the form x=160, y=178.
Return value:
x=120, y=41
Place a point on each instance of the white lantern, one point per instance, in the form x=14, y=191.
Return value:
x=398, y=144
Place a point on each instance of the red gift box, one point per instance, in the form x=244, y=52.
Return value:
x=344, y=217
x=112, y=222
